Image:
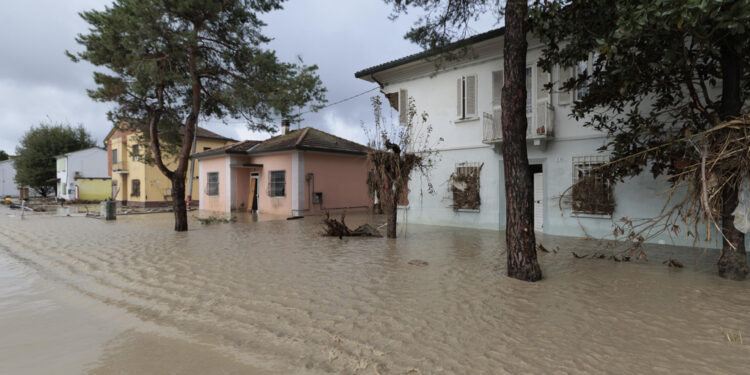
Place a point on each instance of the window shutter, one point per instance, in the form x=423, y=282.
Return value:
x=403, y=107
x=543, y=78
x=498, y=80
x=564, y=97
x=471, y=96
x=460, y=98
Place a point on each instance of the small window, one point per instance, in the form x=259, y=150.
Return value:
x=466, y=94
x=592, y=193
x=213, y=183
x=464, y=185
x=583, y=86
x=135, y=188
x=114, y=156
x=136, y=153
x=276, y=183
x=400, y=102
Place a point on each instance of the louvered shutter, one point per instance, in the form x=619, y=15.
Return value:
x=460, y=98
x=498, y=80
x=542, y=79
x=471, y=96
x=403, y=107
x=564, y=97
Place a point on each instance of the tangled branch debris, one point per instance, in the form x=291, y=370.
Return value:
x=464, y=184
x=338, y=228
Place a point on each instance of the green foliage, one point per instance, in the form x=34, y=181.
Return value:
x=4, y=155
x=146, y=48
x=656, y=73
x=35, y=161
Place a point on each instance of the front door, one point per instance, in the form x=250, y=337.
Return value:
x=254, y=192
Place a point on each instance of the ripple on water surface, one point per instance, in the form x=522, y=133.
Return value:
x=277, y=292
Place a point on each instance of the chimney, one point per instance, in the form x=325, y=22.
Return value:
x=284, y=126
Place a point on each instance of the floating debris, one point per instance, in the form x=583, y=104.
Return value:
x=418, y=262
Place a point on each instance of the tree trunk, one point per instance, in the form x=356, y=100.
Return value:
x=391, y=212
x=519, y=232
x=178, y=203
x=732, y=263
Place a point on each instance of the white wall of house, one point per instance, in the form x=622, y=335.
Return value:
x=7, y=179
x=437, y=94
x=89, y=163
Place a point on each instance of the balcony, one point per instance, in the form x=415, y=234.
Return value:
x=539, y=130
x=120, y=167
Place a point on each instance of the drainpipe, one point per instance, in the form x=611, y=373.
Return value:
x=192, y=168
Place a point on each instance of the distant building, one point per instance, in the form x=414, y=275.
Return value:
x=135, y=183
x=301, y=172
x=8, y=185
x=82, y=175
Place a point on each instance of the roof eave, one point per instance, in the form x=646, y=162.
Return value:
x=367, y=73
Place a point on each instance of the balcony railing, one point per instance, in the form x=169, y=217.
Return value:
x=121, y=165
x=493, y=129
x=539, y=126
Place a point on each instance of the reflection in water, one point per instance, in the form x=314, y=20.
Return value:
x=277, y=293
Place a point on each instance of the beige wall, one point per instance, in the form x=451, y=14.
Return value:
x=154, y=186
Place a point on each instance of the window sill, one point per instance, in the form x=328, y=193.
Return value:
x=465, y=120
x=467, y=210
x=591, y=216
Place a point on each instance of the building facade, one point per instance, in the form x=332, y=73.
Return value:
x=301, y=172
x=136, y=183
x=463, y=100
x=8, y=185
x=82, y=175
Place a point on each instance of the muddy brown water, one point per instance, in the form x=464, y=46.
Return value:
x=81, y=295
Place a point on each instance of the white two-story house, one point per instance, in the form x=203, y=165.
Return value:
x=463, y=100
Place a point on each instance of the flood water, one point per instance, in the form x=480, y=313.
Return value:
x=273, y=296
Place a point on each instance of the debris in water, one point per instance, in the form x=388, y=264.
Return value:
x=216, y=220
x=578, y=256
x=338, y=228
x=673, y=263
x=418, y=262
x=542, y=248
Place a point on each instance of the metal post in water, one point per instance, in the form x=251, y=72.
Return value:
x=23, y=208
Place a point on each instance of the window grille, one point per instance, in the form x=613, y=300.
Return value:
x=276, y=183
x=213, y=184
x=592, y=193
x=135, y=188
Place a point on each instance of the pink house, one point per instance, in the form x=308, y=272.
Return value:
x=301, y=172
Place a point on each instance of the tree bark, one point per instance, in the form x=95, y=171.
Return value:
x=732, y=263
x=391, y=213
x=519, y=232
x=178, y=203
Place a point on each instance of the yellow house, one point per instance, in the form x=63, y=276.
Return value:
x=135, y=183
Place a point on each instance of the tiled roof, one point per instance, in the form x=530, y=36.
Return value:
x=202, y=133
x=430, y=53
x=309, y=139
x=233, y=148
x=205, y=133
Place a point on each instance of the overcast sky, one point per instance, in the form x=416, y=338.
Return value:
x=38, y=83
